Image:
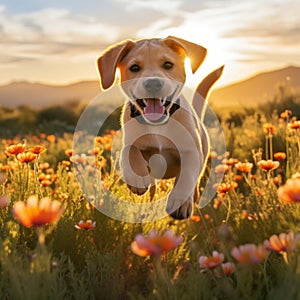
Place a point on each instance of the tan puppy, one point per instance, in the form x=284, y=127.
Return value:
x=162, y=135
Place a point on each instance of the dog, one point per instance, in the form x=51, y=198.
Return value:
x=162, y=135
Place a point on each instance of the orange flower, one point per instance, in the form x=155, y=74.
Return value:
x=51, y=138
x=230, y=161
x=210, y=262
x=269, y=128
x=37, y=213
x=290, y=192
x=280, y=155
x=249, y=253
x=15, y=149
x=87, y=225
x=268, y=165
x=38, y=149
x=155, y=244
x=286, y=114
x=69, y=152
x=195, y=218
x=294, y=126
x=282, y=242
x=224, y=188
x=26, y=157
x=4, y=201
x=244, y=167
x=228, y=268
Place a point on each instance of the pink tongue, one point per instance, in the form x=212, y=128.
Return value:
x=154, y=110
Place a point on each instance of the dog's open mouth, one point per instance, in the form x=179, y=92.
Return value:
x=154, y=109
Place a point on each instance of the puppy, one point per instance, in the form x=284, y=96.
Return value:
x=162, y=135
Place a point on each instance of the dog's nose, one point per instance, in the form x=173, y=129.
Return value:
x=153, y=85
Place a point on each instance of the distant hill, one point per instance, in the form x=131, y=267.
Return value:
x=38, y=95
x=257, y=89
x=248, y=92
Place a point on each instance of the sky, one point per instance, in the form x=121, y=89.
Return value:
x=58, y=42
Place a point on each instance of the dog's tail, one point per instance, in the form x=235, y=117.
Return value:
x=202, y=90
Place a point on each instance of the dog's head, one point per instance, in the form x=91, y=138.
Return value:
x=152, y=72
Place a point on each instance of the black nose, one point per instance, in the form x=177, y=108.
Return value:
x=153, y=85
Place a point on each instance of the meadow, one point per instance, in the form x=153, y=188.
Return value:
x=242, y=245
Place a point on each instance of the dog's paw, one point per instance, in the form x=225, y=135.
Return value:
x=138, y=185
x=183, y=211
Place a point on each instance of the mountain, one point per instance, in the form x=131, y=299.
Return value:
x=257, y=89
x=248, y=92
x=37, y=95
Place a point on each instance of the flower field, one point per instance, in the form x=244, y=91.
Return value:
x=243, y=245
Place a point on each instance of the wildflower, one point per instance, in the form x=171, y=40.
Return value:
x=286, y=114
x=221, y=168
x=87, y=225
x=230, y=161
x=69, y=152
x=290, y=192
x=244, y=167
x=210, y=262
x=15, y=149
x=195, y=218
x=282, y=242
x=228, y=268
x=268, y=165
x=155, y=244
x=269, y=128
x=294, y=126
x=38, y=149
x=280, y=155
x=37, y=213
x=4, y=201
x=249, y=253
x=26, y=157
x=224, y=188
x=51, y=138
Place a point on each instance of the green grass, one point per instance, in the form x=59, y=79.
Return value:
x=99, y=263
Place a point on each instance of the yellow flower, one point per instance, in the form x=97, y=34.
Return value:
x=269, y=128
x=282, y=242
x=290, y=192
x=37, y=213
x=155, y=244
x=249, y=253
x=210, y=262
x=89, y=224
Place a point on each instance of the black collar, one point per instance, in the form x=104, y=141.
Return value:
x=134, y=113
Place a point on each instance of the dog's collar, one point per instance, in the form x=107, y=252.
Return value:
x=134, y=113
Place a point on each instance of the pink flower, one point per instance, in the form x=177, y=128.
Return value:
x=228, y=268
x=210, y=262
x=282, y=242
x=155, y=244
x=249, y=253
x=290, y=192
x=4, y=201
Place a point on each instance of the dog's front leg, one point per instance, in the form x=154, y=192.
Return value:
x=135, y=170
x=181, y=199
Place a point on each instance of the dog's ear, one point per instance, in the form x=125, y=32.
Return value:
x=194, y=52
x=108, y=62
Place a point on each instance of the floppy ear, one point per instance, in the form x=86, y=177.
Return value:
x=108, y=62
x=196, y=53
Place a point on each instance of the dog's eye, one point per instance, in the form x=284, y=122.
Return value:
x=135, y=68
x=168, y=65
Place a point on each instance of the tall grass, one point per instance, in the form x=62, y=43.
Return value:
x=99, y=263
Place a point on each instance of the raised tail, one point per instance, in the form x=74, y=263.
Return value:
x=202, y=90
